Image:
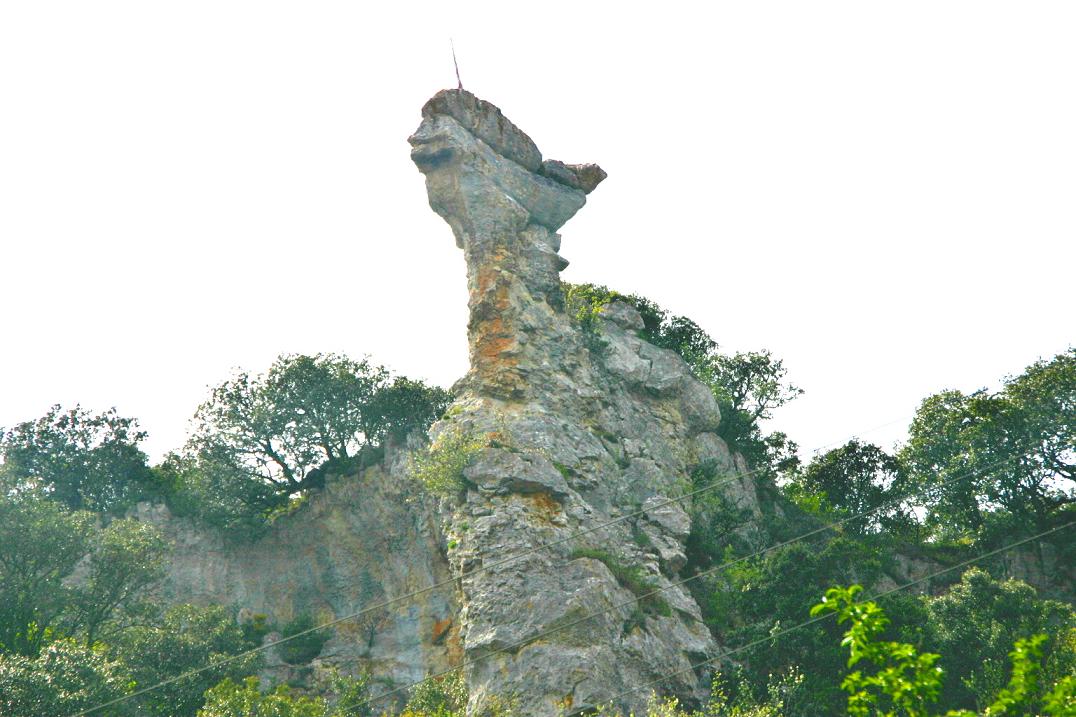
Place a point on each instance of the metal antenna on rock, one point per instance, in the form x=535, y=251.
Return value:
x=455, y=64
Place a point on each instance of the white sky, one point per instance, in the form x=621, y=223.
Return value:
x=880, y=193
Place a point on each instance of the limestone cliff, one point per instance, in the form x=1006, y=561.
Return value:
x=575, y=430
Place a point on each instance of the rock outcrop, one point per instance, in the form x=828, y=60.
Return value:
x=579, y=433
x=572, y=430
x=361, y=542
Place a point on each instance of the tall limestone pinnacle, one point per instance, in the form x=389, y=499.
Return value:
x=575, y=433
x=486, y=178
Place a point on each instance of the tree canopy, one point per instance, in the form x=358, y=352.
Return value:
x=1012, y=450
x=259, y=439
x=82, y=459
x=854, y=479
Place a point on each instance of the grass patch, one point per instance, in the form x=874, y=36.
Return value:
x=632, y=577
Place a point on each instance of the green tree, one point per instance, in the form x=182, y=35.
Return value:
x=80, y=459
x=279, y=429
x=854, y=479
x=749, y=387
x=978, y=620
x=43, y=597
x=210, y=487
x=186, y=638
x=65, y=678
x=756, y=598
x=42, y=542
x=402, y=407
x=1014, y=450
x=283, y=424
x=125, y=558
x=903, y=681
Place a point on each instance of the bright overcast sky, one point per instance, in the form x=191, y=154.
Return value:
x=881, y=193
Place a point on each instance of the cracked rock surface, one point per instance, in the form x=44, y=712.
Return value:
x=578, y=434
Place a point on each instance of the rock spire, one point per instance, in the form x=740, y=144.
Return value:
x=577, y=430
x=487, y=179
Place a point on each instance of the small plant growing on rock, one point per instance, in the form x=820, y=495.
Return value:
x=307, y=645
x=440, y=467
x=445, y=695
x=632, y=577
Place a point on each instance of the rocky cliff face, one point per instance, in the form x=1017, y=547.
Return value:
x=575, y=430
x=361, y=542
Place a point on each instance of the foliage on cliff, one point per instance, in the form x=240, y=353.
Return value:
x=748, y=386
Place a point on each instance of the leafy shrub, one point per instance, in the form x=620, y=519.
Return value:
x=187, y=637
x=584, y=303
x=439, y=468
x=978, y=620
x=231, y=699
x=304, y=648
x=896, y=678
x=732, y=695
x=445, y=695
x=65, y=678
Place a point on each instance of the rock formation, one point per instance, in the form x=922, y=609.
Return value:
x=577, y=436
x=573, y=430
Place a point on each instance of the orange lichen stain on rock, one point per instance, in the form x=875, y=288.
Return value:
x=453, y=645
x=440, y=630
x=495, y=342
x=544, y=506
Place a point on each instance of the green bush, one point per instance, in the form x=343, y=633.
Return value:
x=231, y=699
x=304, y=648
x=65, y=678
x=445, y=695
x=186, y=638
x=439, y=468
x=896, y=678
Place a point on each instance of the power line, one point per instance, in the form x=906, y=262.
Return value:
x=417, y=593
x=545, y=633
x=814, y=620
x=428, y=589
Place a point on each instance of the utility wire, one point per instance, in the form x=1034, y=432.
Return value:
x=428, y=589
x=819, y=618
x=638, y=598
x=417, y=593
